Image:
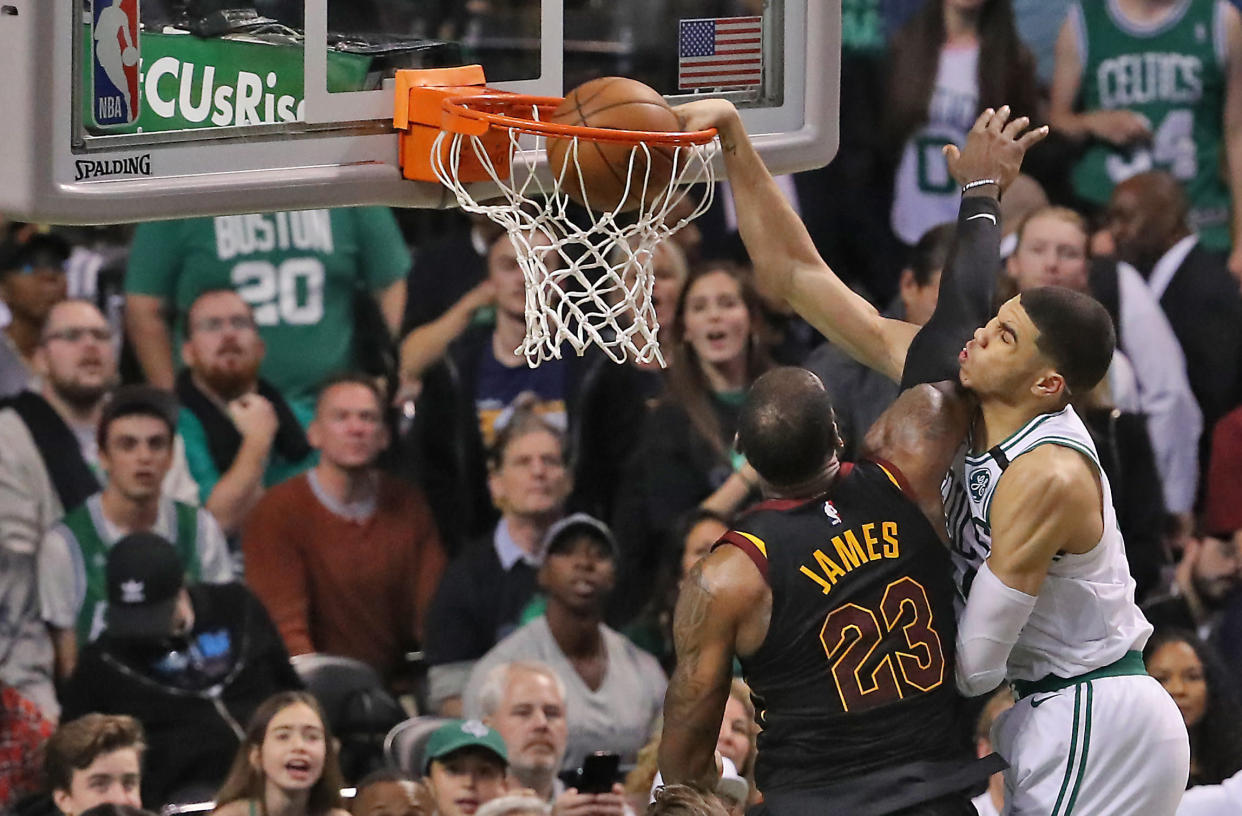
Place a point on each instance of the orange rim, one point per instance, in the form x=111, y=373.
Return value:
x=505, y=110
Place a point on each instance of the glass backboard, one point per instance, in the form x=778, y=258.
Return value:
x=125, y=110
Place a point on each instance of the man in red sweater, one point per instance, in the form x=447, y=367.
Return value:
x=346, y=558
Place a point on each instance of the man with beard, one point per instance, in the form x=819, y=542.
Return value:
x=241, y=436
x=46, y=465
x=136, y=435
x=346, y=557
x=1207, y=577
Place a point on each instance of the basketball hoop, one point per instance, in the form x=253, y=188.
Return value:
x=585, y=283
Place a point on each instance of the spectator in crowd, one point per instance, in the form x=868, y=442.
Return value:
x=1206, y=696
x=952, y=60
x=191, y=663
x=23, y=730
x=32, y=281
x=1147, y=216
x=93, y=760
x=345, y=557
x=47, y=464
x=685, y=454
x=860, y=394
x=471, y=393
x=1052, y=251
x=136, y=431
x=389, y=792
x=652, y=630
x=614, y=690
x=1209, y=572
x=992, y=801
x=298, y=271
x=1222, y=516
x=1110, y=90
x=445, y=271
x=465, y=767
x=485, y=589
x=524, y=701
x=287, y=763
x=241, y=435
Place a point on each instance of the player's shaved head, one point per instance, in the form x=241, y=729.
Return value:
x=787, y=428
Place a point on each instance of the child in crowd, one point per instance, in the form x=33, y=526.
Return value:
x=287, y=765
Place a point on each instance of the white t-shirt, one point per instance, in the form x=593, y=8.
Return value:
x=924, y=192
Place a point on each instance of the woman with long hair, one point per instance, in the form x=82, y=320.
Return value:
x=953, y=59
x=287, y=765
x=1205, y=694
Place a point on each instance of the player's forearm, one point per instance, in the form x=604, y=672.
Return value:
x=687, y=748
x=788, y=266
x=967, y=290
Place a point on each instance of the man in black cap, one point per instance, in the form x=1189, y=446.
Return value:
x=191, y=663
x=32, y=281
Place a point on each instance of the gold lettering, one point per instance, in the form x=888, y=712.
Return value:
x=810, y=574
x=868, y=532
x=889, y=531
x=851, y=557
x=849, y=536
x=829, y=566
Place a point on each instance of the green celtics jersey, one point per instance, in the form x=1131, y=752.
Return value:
x=1174, y=75
x=299, y=271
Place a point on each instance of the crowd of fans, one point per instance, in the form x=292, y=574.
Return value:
x=310, y=434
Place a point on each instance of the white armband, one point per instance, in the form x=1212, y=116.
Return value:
x=994, y=617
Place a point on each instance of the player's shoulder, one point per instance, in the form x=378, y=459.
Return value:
x=1053, y=469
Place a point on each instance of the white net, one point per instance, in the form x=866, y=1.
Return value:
x=586, y=282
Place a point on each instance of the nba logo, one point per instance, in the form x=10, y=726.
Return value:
x=114, y=62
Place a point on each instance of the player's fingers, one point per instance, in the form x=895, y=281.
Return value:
x=951, y=156
x=982, y=121
x=1016, y=126
x=999, y=120
x=1032, y=137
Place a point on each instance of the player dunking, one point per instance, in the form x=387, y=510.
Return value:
x=837, y=597
x=1050, y=601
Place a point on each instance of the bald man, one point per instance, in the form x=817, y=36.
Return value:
x=1147, y=218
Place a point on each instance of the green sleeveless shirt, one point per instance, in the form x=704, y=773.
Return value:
x=1174, y=75
x=79, y=526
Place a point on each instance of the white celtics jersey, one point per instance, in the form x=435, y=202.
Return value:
x=1085, y=617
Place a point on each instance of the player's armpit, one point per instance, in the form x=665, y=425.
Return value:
x=723, y=601
x=1047, y=501
x=920, y=434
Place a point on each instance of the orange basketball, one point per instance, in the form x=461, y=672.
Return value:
x=599, y=181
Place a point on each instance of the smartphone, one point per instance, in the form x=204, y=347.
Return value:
x=599, y=772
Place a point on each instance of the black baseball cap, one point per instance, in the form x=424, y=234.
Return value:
x=563, y=531
x=144, y=576
x=21, y=248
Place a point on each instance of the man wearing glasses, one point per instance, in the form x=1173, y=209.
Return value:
x=241, y=436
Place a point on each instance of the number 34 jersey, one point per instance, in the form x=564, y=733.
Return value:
x=856, y=672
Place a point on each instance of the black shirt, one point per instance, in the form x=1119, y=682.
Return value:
x=855, y=675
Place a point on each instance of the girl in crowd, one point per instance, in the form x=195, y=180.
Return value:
x=1199, y=684
x=952, y=60
x=286, y=765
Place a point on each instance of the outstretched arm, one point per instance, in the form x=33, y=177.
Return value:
x=993, y=152
x=786, y=262
x=723, y=605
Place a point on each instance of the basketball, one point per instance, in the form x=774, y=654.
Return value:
x=129, y=56
x=599, y=181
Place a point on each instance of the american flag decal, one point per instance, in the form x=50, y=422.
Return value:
x=719, y=52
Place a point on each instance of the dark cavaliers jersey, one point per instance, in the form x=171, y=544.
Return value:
x=856, y=672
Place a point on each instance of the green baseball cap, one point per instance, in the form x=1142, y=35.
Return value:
x=458, y=734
